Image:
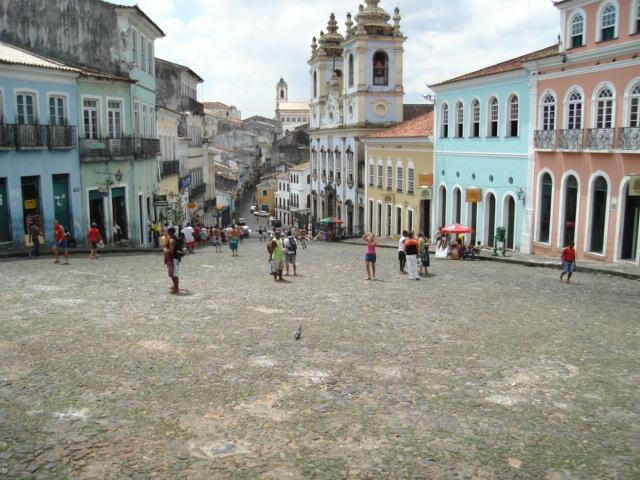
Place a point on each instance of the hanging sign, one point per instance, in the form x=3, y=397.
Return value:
x=634, y=186
x=473, y=195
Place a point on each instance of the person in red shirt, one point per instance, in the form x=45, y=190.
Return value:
x=93, y=236
x=60, y=242
x=568, y=261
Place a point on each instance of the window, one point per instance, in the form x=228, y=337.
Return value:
x=350, y=73
x=410, y=180
x=90, y=118
x=144, y=122
x=494, y=116
x=574, y=111
x=577, y=31
x=459, y=120
x=323, y=157
x=338, y=164
x=150, y=59
x=330, y=154
x=514, y=116
x=604, y=108
x=143, y=55
x=114, y=118
x=389, y=177
x=380, y=69
x=371, y=174
x=475, y=118
x=598, y=219
x=134, y=47
x=546, y=191
x=410, y=220
x=398, y=220
x=379, y=175
x=315, y=84
x=136, y=119
x=350, y=164
x=634, y=104
x=399, y=178
x=56, y=111
x=548, y=112
x=637, y=18
x=445, y=121
x=152, y=125
x=389, y=220
x=25, y=113
x=1, y=106
x=608, y=23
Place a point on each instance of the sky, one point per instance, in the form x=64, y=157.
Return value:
x=241, y=48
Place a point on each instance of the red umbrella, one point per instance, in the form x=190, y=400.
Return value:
x=457, y=228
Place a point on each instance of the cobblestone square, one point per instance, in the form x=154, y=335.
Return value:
x=481, y=370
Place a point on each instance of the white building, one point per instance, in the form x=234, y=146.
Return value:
x=356, y=90
x=291, y=115
x=283, y=196
x=300, y=195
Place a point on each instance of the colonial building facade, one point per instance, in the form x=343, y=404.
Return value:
x=356, y=89
x=587, y=140
x=400, y=178
x=291, y=115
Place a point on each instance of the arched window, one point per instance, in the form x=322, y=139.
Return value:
x=314, y=163
x=443, y=205
x=323, y=156
x=457, y=205
x=570, y=210
x=548, y=112
x=574, y=110
x=577, y=31
x=459, y=120
x=599, y=196
x=380, y=180
x=281, y=93
x=338, y=155
x=514, y=116
x=389, y=177
x=604, y=108
x=475, y=118
x=445, y=121
x=634, y=105
x=494, y=117
x=608, y=22
x=380, y=68
x=350, y=67
x=315, y=84
x=350, y=166
x=544, y=209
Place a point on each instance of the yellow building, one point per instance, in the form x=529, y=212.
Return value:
x=399, y=184
x=266, y=196
x=168, y=200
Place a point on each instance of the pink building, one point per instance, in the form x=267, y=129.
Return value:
x=586, y=178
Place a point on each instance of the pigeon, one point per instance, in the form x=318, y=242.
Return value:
x=298, y=333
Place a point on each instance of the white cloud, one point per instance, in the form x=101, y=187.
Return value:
x=242, y=47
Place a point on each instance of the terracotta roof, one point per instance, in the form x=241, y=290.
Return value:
x=12, y=55
x=413, y=110
x=421, y=126
x=503, y=67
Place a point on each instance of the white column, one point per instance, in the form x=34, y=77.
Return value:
x=526, y=238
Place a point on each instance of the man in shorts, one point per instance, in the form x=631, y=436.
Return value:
x=93, y=237
x=402, y=255
x=291, y=248
x=234, y=239
x=276, y=256
x=216, y=236
x=568, y=261
x=172, y=256
x=60, y=241
x=189, y=237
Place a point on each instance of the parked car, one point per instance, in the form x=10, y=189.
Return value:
x=261, y=213
x=252, y=208
x=241, y=222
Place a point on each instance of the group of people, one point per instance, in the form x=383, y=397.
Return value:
x=282, y=254
x=413, y=255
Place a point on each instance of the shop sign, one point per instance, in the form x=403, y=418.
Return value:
x=30, y=204
x=425, y=180
x=634, y=186
x=192, y=205
x=160, y=201
x=474, y=195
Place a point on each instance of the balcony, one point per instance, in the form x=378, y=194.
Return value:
x=26, y=136
x=197, y=191
x=593, y=139
x=119, y=147
x=172, y=167
x=189, y=104
x=7, y=137
x=30, y=136
x=61, y=136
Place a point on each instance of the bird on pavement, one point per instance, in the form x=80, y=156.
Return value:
x=298, y=333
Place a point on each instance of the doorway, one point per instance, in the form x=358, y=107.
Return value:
x=490, y=219
x=31, y=202
x=5, y=216
x=119, y=211
x=630, y=226
x=474, y=221
x=443, y=206
x=570, y=210
x=379, y=218
x=141, y=219
x=510, y=219
x=61, y=204
x=425, y=217
x=96, y=212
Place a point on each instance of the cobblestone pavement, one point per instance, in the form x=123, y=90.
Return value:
x=482, y=370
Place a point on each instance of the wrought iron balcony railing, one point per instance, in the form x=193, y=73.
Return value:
x=197, y=191
x=171, y=167
x=61, y=136
x=628, y=138
x=30, y=136
x=595, y=139
x=119, y=147
x=189, y=104
x=545, y=139
x=599, y=138
x=570, y=139
x=7, y=136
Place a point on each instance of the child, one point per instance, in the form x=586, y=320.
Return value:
x=568, y=261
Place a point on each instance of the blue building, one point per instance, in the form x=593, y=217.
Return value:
x=484, y=156
x=39, y=162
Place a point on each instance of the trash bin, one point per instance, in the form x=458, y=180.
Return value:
x=500, y=234
x=500, y=237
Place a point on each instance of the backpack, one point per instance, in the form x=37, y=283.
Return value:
x=293, y=245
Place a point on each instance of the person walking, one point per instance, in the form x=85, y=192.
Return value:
x=303, y=237
x=216, y=235
x=234, y=238
x=172, y=256
x=291, y=248
x=412, y=246
x=402, y=255
x=34, y=233
x=423, y=253
x=276, y=256
x=568, y=261
x=189, y=238
x=370, y=256
x=60, y=241
x=93, y=237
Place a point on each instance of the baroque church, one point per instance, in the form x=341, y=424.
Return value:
x=291, y=115
x=356, y=90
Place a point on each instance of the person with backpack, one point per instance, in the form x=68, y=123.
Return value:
x=291, y=248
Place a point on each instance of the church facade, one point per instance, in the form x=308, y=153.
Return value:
x=291, y=115
x=356, y=90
